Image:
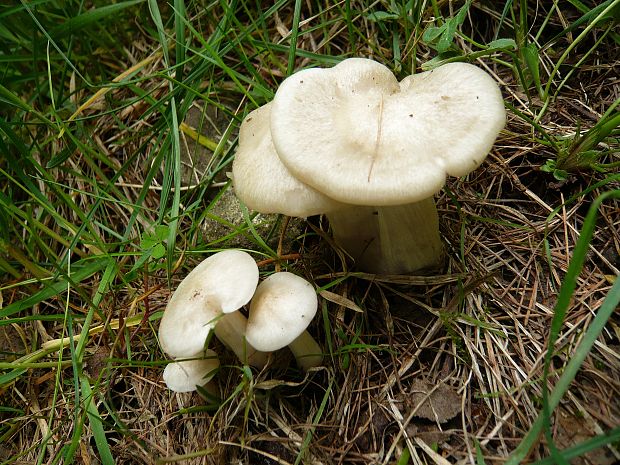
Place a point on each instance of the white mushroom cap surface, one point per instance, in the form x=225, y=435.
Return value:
x=222, y=283
x=260, y=179
x=281, y=309
x=185, y=375
x=355, y=134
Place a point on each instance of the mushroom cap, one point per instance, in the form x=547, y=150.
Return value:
x=222, y=283
x=185, y=375
x=281, y=309
x=355, y=134
x=260, y=179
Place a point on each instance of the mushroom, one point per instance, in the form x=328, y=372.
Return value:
x=280, y=311
x=185, y=375
x=260, y=179
x=230, y=330
x=219, y=285
x=380, y=150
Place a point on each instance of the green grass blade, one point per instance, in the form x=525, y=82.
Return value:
x=293, y=38
x=172, y=181
x=598, y=18
x=53, y=42
x=585, y=19
x=11, y=375
x=179, y=21
x=96, y=423
x=479, y=457
x=81, y=272
x=596, y=442
x=9, y=97
x=315, y=420
x=563, y=303
x=88, y=18
x=106, y=281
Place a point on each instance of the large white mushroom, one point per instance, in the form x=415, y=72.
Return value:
x=378, y=150
x=218, y=286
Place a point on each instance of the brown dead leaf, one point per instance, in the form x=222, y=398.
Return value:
x=96, y=363
x=340, y=300
x=438, y=403
x=371, y=429
x=573, y=430
x=430, y=434
x=11, y=344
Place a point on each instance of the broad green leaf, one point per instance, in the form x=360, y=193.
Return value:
x=462, y=13
x=158, y=251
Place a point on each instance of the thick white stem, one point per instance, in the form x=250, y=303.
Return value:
x=230, y=330
x=307, y=351
x=390, y=240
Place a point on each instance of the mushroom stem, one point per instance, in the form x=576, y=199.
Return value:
x=392, y=239
x=230, y=330
x=307, y=351
x=212, y=391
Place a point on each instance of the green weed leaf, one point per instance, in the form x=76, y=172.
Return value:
x=442, y=59
x=154, y=243
x=432, y=33
x=532, y=61
x=441, y=37
x=378, y=16
x=502, y=44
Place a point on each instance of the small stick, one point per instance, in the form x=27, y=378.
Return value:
x=290, y=256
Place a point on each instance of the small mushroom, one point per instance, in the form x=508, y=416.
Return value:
x=221, y=284
x=280, y=311
x=185, y=375
x=230, y=330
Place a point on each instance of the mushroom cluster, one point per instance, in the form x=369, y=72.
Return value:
x=209, y=299
x=369, y=152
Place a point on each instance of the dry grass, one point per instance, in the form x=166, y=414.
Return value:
x=471, y=340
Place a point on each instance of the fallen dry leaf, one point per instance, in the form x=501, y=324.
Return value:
x=436, y=403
